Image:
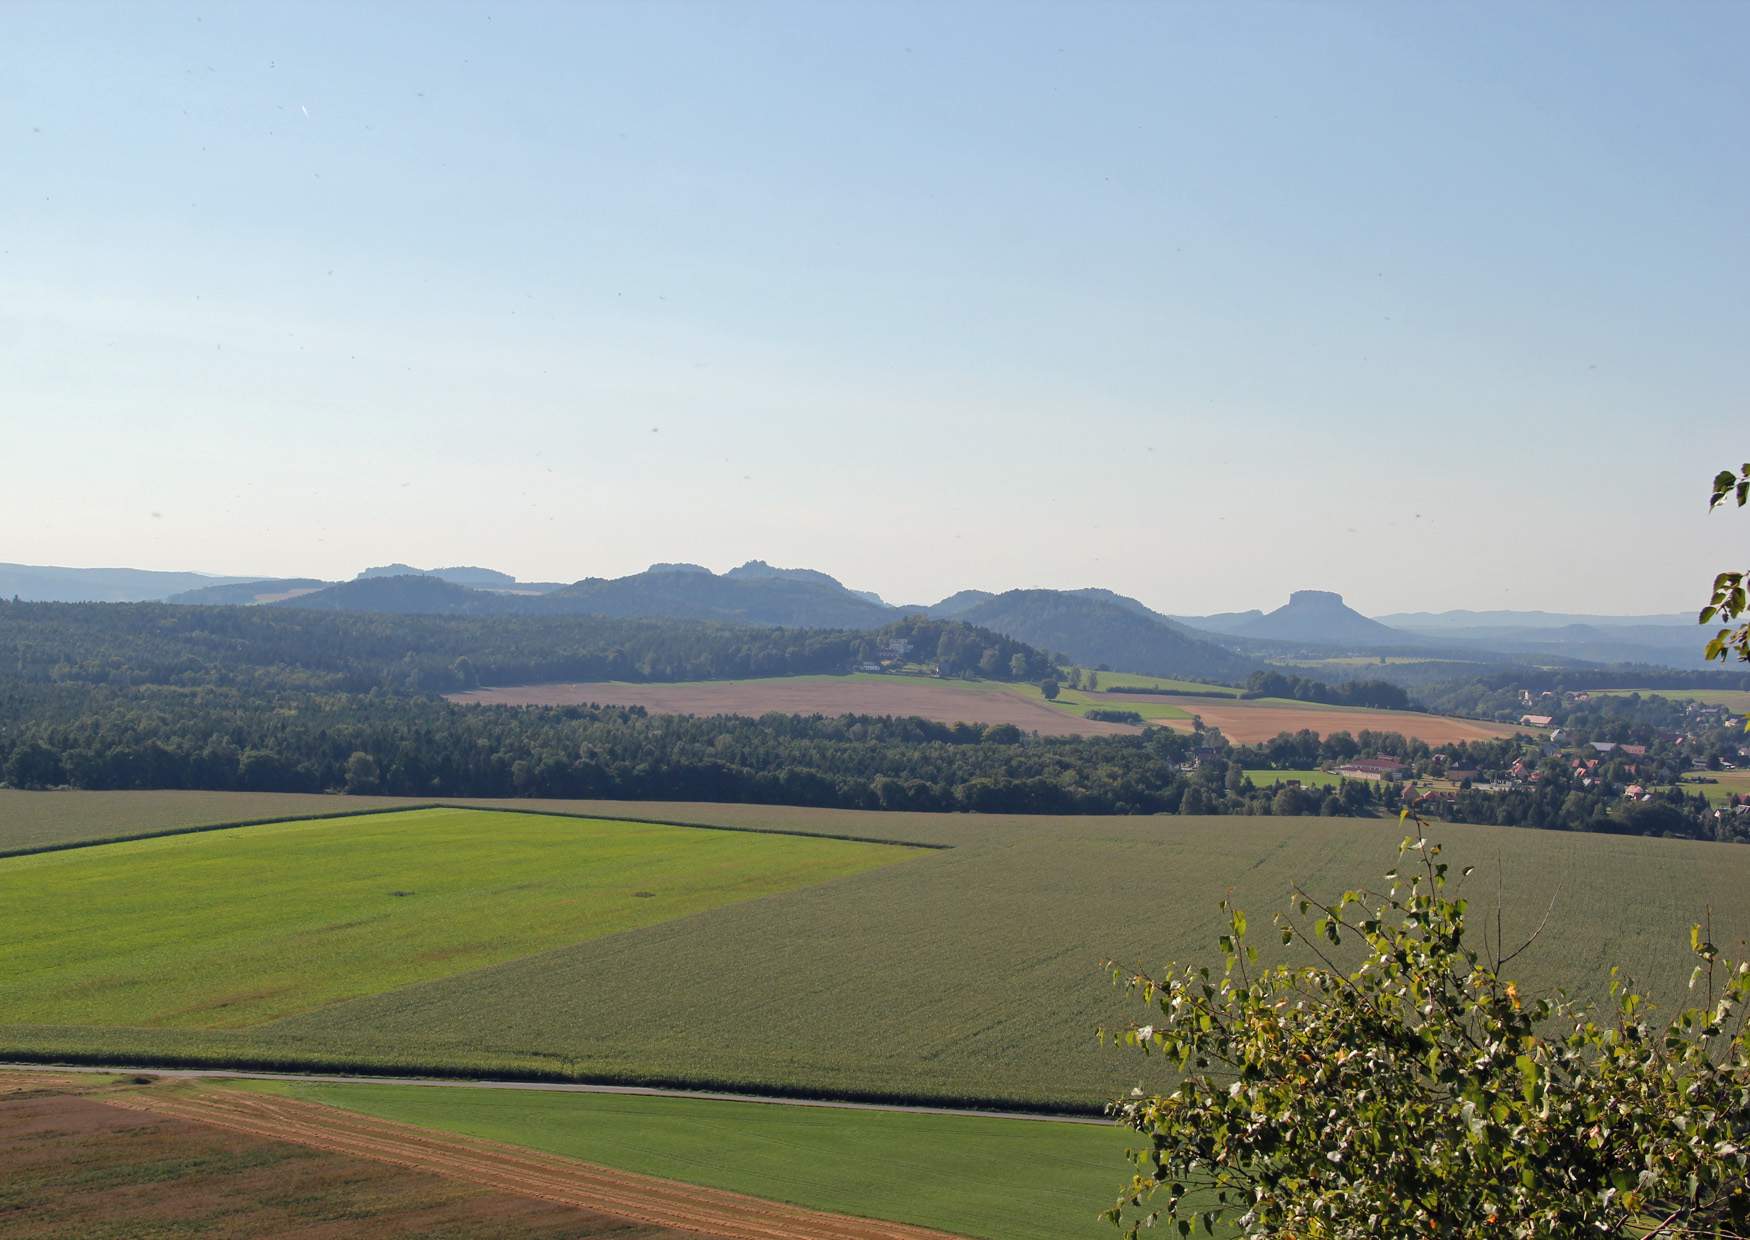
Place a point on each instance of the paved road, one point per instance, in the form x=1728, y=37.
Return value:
x=564, y=1087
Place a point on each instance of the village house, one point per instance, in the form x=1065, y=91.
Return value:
x=1537, y=721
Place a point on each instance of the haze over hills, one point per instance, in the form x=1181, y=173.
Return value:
x=1099, y=632
x=1090, y=624
x=44, y=583
x=1321, y=616
x=1413, y=621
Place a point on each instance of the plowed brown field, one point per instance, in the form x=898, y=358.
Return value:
x=510, y=1169
x=73, y=1165
x=1249, y=721
x=945, y=701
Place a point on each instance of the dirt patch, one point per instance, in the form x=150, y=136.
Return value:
x=944, y=701
x=1248, y=722
x=511, y=1169
x=76, y=1166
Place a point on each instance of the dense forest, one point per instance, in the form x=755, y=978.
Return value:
x=274, y=648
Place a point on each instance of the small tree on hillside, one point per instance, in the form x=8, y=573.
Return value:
x=1416, y=1093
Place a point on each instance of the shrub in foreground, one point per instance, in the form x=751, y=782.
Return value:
x=1411, y=1089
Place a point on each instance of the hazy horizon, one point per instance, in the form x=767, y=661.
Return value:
x=1433, y=307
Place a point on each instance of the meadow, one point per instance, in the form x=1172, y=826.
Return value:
x=1104, y=682
x=32, y=821
x=229, y=929
x=1306, y=779
x=969, y=973
x=1001, y=1178
x=1080, y=702
x=1722, y=785
x=1732, y=699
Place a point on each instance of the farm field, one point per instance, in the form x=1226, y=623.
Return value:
x=1079, y=702
x=1005, y=1179
x=1105, y=681
x=76, y=1166
x=1306, y=779
x=969, y=973
x=229, y=929
x=1725, y=785
x=944, y=701
x=1250, y=720
x=1731, y=699
x=33, y=820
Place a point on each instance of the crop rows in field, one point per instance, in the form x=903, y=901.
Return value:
x=968, y=973
x=31, y=821
x=239, y=928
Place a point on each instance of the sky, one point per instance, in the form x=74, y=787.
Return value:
x=1435, y=306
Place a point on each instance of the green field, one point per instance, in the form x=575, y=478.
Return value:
x=1006, y=1179
x=1308, y=779
x=1724, y=785
x=1732, y=699
x=969, y=973
x=229, y=929
x=1105, y=681
x=1077, y=702
x=35, y=820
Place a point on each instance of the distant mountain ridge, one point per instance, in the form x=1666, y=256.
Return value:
x=664, y=591
x=248, y=593
x=48, y=583
x=755, y=569
x=1080, y=622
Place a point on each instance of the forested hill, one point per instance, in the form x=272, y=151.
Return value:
x=742, y=596
x=269, y=647
x=1100, y=632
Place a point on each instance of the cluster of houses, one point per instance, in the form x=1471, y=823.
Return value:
x=888, y=651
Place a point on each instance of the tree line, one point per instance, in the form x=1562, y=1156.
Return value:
x=126, y=644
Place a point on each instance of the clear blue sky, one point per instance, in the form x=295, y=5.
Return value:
x=1434, y=305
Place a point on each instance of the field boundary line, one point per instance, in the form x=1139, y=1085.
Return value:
x=543, y=1085
x=698, y=826
x=34, y=850
x=461, y=803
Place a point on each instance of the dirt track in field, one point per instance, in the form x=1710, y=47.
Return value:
x=511, y=1169
x=1248, y=722
x=945, y=701
x=72, y=1164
